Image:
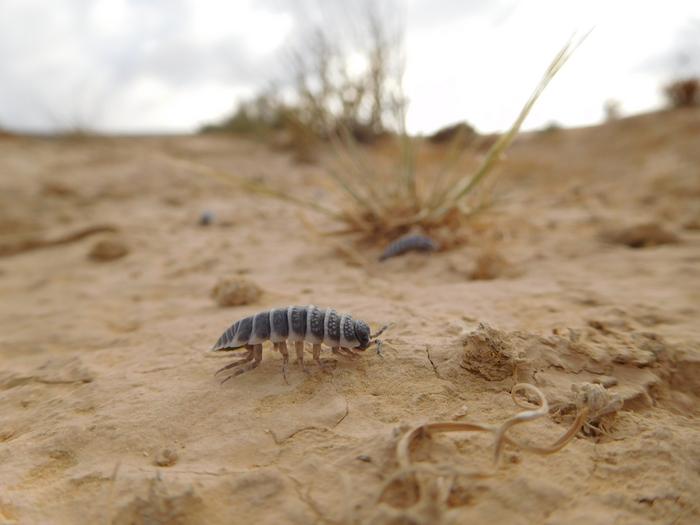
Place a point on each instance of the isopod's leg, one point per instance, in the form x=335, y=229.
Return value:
x=285, y=359
x=278, y=347
x=246, y=358
x=348, y=353
x=316, y=350
x=257, y=357
x=299, y=348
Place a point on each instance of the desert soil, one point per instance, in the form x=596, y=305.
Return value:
x=585, y=270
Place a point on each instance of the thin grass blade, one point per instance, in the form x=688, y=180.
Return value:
x=465, y=186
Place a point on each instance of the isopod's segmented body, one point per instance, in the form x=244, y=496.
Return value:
x=408, y=243
x=297, y=324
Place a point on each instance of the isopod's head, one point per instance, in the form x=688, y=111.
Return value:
x=362, y=334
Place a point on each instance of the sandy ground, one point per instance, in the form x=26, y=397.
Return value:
x=110, y=412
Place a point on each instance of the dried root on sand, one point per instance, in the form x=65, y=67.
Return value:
x=434, y=485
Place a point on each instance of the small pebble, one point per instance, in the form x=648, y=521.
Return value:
x=462, y=412
x=641, y=235
x=165, y=458
x=108, y=250
x=365, y=458
x=206, y=218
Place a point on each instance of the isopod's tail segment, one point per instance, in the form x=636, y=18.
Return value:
x=230, y=339
x=374, y=338
x=216, y=349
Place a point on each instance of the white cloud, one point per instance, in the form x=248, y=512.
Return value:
x=262, y=31
x=486, y=67
x=108, y=17
x=167, y=65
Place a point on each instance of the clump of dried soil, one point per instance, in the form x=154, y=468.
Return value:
x=235, y=291
x=641, y=235
x=489, y=265
x=490, y=354
x=106, y=250
x=638, y=366
x=161, y=505
x=166, y=458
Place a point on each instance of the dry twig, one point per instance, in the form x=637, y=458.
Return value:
x=408, y=469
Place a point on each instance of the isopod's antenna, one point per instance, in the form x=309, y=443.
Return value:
x=373, y=338
x=381, y=331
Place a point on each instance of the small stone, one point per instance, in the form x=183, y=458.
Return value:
x=641, y=236
x=462, y=412
x=166, y=458
x=513, y=458
x=606, y=381
x=108, y=250
x=206, y=218
x=58, y=189
x=365, y=458
x=235, y=291
x=173, y=200
x=692, y=224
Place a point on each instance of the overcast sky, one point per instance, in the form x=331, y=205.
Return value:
x=172, y=65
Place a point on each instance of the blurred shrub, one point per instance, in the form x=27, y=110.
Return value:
x=551, y=128
x=384, y=201
x=258, y=116
x=298, y=137
x=336, y=96
x=462, y=132
x=330, y=97
x=4, y=134
x=683, y=93
x=331, y=101
x=612, y=110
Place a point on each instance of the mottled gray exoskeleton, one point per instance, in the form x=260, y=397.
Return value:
x=408, y=243
x=297, y=324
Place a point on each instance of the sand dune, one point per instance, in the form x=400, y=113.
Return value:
x=587, y=270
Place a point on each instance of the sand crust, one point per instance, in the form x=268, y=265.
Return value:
x=111, y=413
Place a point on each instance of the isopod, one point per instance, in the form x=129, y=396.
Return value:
x=408, y=243
x=298, y=324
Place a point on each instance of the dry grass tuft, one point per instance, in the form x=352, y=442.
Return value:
x=683, y=93
x=380, y=204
